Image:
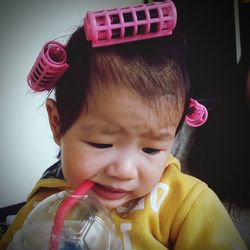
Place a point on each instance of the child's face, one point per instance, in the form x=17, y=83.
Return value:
x=120, y=143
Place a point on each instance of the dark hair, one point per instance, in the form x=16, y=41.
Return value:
x=151, y=68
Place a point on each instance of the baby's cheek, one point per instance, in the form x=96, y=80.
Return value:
x=75, y=172
x=147, y=182
x=154, y=175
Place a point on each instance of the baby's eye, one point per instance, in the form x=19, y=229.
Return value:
x=100, y=145
x=150, y=151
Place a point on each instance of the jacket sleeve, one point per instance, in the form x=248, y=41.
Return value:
x=206, y=224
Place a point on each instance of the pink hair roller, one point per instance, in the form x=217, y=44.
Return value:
x=49, y=67
x=198, y=114
x=132, y=23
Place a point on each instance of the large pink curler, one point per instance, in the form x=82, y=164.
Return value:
x=49, y=67
x=198, y=114
x=132, y=23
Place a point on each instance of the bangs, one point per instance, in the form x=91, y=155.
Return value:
x=161, y=85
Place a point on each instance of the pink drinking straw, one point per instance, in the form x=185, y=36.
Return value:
x=62, y=211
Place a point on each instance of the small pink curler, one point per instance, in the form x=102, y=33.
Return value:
x=132, y=23
x=49, y=67
x=198, y=114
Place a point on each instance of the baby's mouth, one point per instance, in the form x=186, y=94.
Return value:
x=108, y=192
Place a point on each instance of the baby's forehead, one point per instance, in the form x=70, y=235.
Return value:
x=157, y=129
x=127, y=105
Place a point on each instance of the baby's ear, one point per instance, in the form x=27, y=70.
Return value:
x=54, y=119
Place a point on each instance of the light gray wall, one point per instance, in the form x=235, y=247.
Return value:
x=26, y=144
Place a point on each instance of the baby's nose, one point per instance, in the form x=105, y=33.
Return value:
x=123, y=168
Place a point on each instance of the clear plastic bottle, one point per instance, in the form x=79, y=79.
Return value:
x=87, y=225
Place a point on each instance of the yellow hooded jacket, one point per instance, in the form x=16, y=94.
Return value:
x=181, y=212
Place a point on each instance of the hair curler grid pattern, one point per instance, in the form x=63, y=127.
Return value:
x=132, y=23
x=48, y=68
x=197, y=114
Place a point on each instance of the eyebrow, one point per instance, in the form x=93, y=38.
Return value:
x=159, y=136
x=101, y=129
x=110, y=130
